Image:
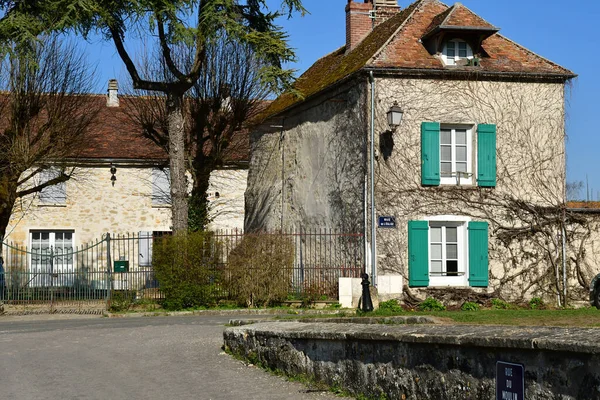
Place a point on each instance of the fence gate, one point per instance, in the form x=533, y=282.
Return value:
x=53, y=276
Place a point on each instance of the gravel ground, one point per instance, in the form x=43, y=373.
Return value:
x=86, y=357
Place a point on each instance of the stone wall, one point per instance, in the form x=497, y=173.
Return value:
x=426, y=362
x=95, y=207
x=310, y=173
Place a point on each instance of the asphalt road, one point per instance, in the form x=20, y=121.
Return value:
x=130, y=358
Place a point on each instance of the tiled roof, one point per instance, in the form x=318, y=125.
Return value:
x=397, y=44
x=114, y=135
x=591, y=205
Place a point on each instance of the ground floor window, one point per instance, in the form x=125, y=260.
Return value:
x=447, y=262
x=51, y=257
x=448, y=251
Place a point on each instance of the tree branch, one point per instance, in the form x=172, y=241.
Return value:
x=59, y=179
x=138, y=83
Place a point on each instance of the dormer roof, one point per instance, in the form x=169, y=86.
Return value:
x=459, y=18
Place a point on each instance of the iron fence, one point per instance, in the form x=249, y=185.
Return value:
x=58, y=276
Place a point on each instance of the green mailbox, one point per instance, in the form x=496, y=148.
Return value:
x=121, y=266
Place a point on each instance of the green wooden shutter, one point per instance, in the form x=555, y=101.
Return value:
x=430, y=153
x=418, y=253
x=478, y=254
x=486, y=155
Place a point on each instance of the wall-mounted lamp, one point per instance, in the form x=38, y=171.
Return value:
x=394, y=115
x=113, y=171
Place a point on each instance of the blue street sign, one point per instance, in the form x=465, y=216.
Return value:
x=387, y=222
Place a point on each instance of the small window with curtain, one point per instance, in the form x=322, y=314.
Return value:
x=456, y=52
x=161, y=187
x=54, y=194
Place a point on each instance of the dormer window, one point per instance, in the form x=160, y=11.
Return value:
x=456, y=52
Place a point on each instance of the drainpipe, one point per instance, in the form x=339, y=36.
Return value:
x=373, y=235
x=564, y=257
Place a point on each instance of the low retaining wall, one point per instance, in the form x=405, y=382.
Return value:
x=427, y=361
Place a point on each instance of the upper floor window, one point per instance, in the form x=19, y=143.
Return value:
x=456, y=50
x=54, y=194
x=450, y=154
x=455, y=155
x=161, y=186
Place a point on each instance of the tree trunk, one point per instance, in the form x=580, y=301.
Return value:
x=179, y=202
x=8, y=196
x=199, y=217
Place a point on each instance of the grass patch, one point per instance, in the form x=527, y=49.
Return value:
x=582, y=317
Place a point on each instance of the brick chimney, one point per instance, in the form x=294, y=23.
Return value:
x=362, y=17
x=112, y=99
x=358, y=22
x=385, y=9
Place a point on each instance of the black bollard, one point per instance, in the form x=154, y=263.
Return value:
x=367, y=303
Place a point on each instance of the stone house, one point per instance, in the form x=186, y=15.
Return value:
x=120, y=185
x=480, y=150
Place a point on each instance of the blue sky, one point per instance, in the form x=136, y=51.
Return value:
x=564, y=32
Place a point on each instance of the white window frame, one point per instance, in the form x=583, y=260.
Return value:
x=54, y=194
x=161, y=195
x=40, y=272
x=454, y=179
x=460, y=222
x=451, y=61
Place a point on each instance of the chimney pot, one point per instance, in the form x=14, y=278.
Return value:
x=112, y=99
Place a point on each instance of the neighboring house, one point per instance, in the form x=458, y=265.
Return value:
x=481, y=144
x=120, y=185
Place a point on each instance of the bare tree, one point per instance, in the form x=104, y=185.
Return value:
x=44, y=117
x=228, y=94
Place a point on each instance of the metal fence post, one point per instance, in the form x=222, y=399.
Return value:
x=108, y=272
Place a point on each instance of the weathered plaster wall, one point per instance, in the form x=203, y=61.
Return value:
x=227, y=210
x=530, y=168
x=311, y=171
x=94, y=207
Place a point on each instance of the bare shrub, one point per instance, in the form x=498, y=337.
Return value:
x=186, y=267
x=260, y=269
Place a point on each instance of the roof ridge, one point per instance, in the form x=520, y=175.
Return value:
x=535, y=54
x=417, y=5
x=449, y=12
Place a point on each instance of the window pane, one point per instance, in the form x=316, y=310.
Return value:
x=161, y=186
x=446, y=169
x=436, y=267
x=436, y=235
x=451, y=51
x=462, y=49
x=461, y=167
x=445, y=136
x=461, y=153
x=436, y=251
x=451, y=234
x=451, y=252
x=452, y=268
x=461, y=136
x=446, y=153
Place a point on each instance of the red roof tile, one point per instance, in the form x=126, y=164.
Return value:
x=115, y=135
x=396, y=44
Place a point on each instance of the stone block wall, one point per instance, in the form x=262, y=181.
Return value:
x=426, y=362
